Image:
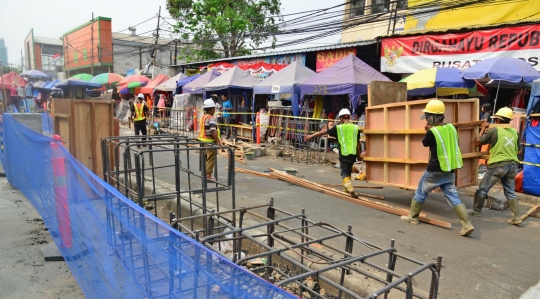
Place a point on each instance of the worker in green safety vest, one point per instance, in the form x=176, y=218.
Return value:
x=445, y=157
x=502, y=163
x=348, y=138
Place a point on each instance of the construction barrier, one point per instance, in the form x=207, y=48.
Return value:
x=141, y=256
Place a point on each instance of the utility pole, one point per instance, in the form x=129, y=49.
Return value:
x=155, y=44
x=22, y=63
x=66, y=58
x=92, y=47
x=175, y=50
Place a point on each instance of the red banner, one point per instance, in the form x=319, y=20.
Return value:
x=326, y=59
x=460, y=50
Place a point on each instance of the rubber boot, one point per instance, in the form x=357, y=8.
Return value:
x=466, y=227
x=416, y=207
x=478, y=204
x=514, y=206
x=347, y=185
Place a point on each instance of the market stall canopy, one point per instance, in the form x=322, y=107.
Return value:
x=12, y=78
x=149, y=88
x=534, y=100
x=133, y=78
x=83, y=77
x=107, y=78
x=503, y=68
x=233, y=78
x=349, y=76
x=196, y=85
x=441, y=81
x=170, y=85
x=286, y=81
x=77, y=83
x=34, y=74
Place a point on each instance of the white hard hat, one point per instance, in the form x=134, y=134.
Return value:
x=209, y=103
x=140, y=95
x=344, y=112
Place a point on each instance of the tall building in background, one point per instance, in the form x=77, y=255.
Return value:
x=3, y=52
x=43, y=54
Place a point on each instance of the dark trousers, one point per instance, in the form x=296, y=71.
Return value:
x=140, y=127
x=229, y=121
x=346, y=168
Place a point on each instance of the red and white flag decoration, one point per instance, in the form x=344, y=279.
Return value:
x=56, y=56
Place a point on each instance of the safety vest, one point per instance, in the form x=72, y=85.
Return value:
x=203, y=128
x=347, y=138
x=506, y=147
x=448, y=152
x=139, y=112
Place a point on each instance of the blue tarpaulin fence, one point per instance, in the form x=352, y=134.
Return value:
x=113, y=247
x=531, y=173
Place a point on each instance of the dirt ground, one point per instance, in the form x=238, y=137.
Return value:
x=24, y=273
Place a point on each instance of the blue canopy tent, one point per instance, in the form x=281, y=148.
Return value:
x=286, y=81
x=349, y=76
x=70, y=85
x=185, y=81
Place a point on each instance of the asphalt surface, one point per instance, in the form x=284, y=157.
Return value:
x=498, y=261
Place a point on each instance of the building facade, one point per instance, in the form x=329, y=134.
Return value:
x=3, y=52
x=43, y=54
x=89, y=47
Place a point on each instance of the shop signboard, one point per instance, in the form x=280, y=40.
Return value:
x=410, y=54
x=328, y=58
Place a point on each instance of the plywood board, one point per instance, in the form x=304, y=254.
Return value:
x=82, y=124
x=384, y=92
x=395, y=154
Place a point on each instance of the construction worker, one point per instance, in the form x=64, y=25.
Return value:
x=348, y=138
x=139, y=112
x=445, y=157
x=502, y=163
x=209, y=133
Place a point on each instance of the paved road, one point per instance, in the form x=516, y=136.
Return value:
x=498, y=261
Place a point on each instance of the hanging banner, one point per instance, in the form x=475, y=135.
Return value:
x=275, y=60
x=326, y=59
x=404, y=55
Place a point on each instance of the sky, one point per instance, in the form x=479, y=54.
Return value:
x=54, y=18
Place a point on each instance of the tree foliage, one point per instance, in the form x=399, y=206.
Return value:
x=230, y=27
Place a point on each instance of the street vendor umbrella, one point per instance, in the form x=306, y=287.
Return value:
x=441, y=81
x=502, y=69
x=135, y=84
x=83, y=77
x=107, y=78
x=133, y=78
x=34, y=74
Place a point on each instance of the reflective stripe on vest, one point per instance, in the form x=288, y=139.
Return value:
x=448, y=152
x=202, y=130
x=347, y=144
x=139, y=112
x=506, y=147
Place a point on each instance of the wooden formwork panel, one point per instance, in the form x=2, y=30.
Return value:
x=82, y=124
x=395, y=155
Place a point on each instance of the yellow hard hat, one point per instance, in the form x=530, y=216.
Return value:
x=434, y=107
x=504, y=112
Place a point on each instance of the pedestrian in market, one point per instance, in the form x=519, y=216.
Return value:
x=445, y=157
x=139, y=112
x=502, y=163
x=348, y=137
x=209, y=133
x=227, y=108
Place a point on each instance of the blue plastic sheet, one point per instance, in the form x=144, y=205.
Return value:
x=47, y=123
x=113, y=247
x=531, y=174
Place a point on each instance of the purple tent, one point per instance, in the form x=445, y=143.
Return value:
x=349, y=76
x=195, y=86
